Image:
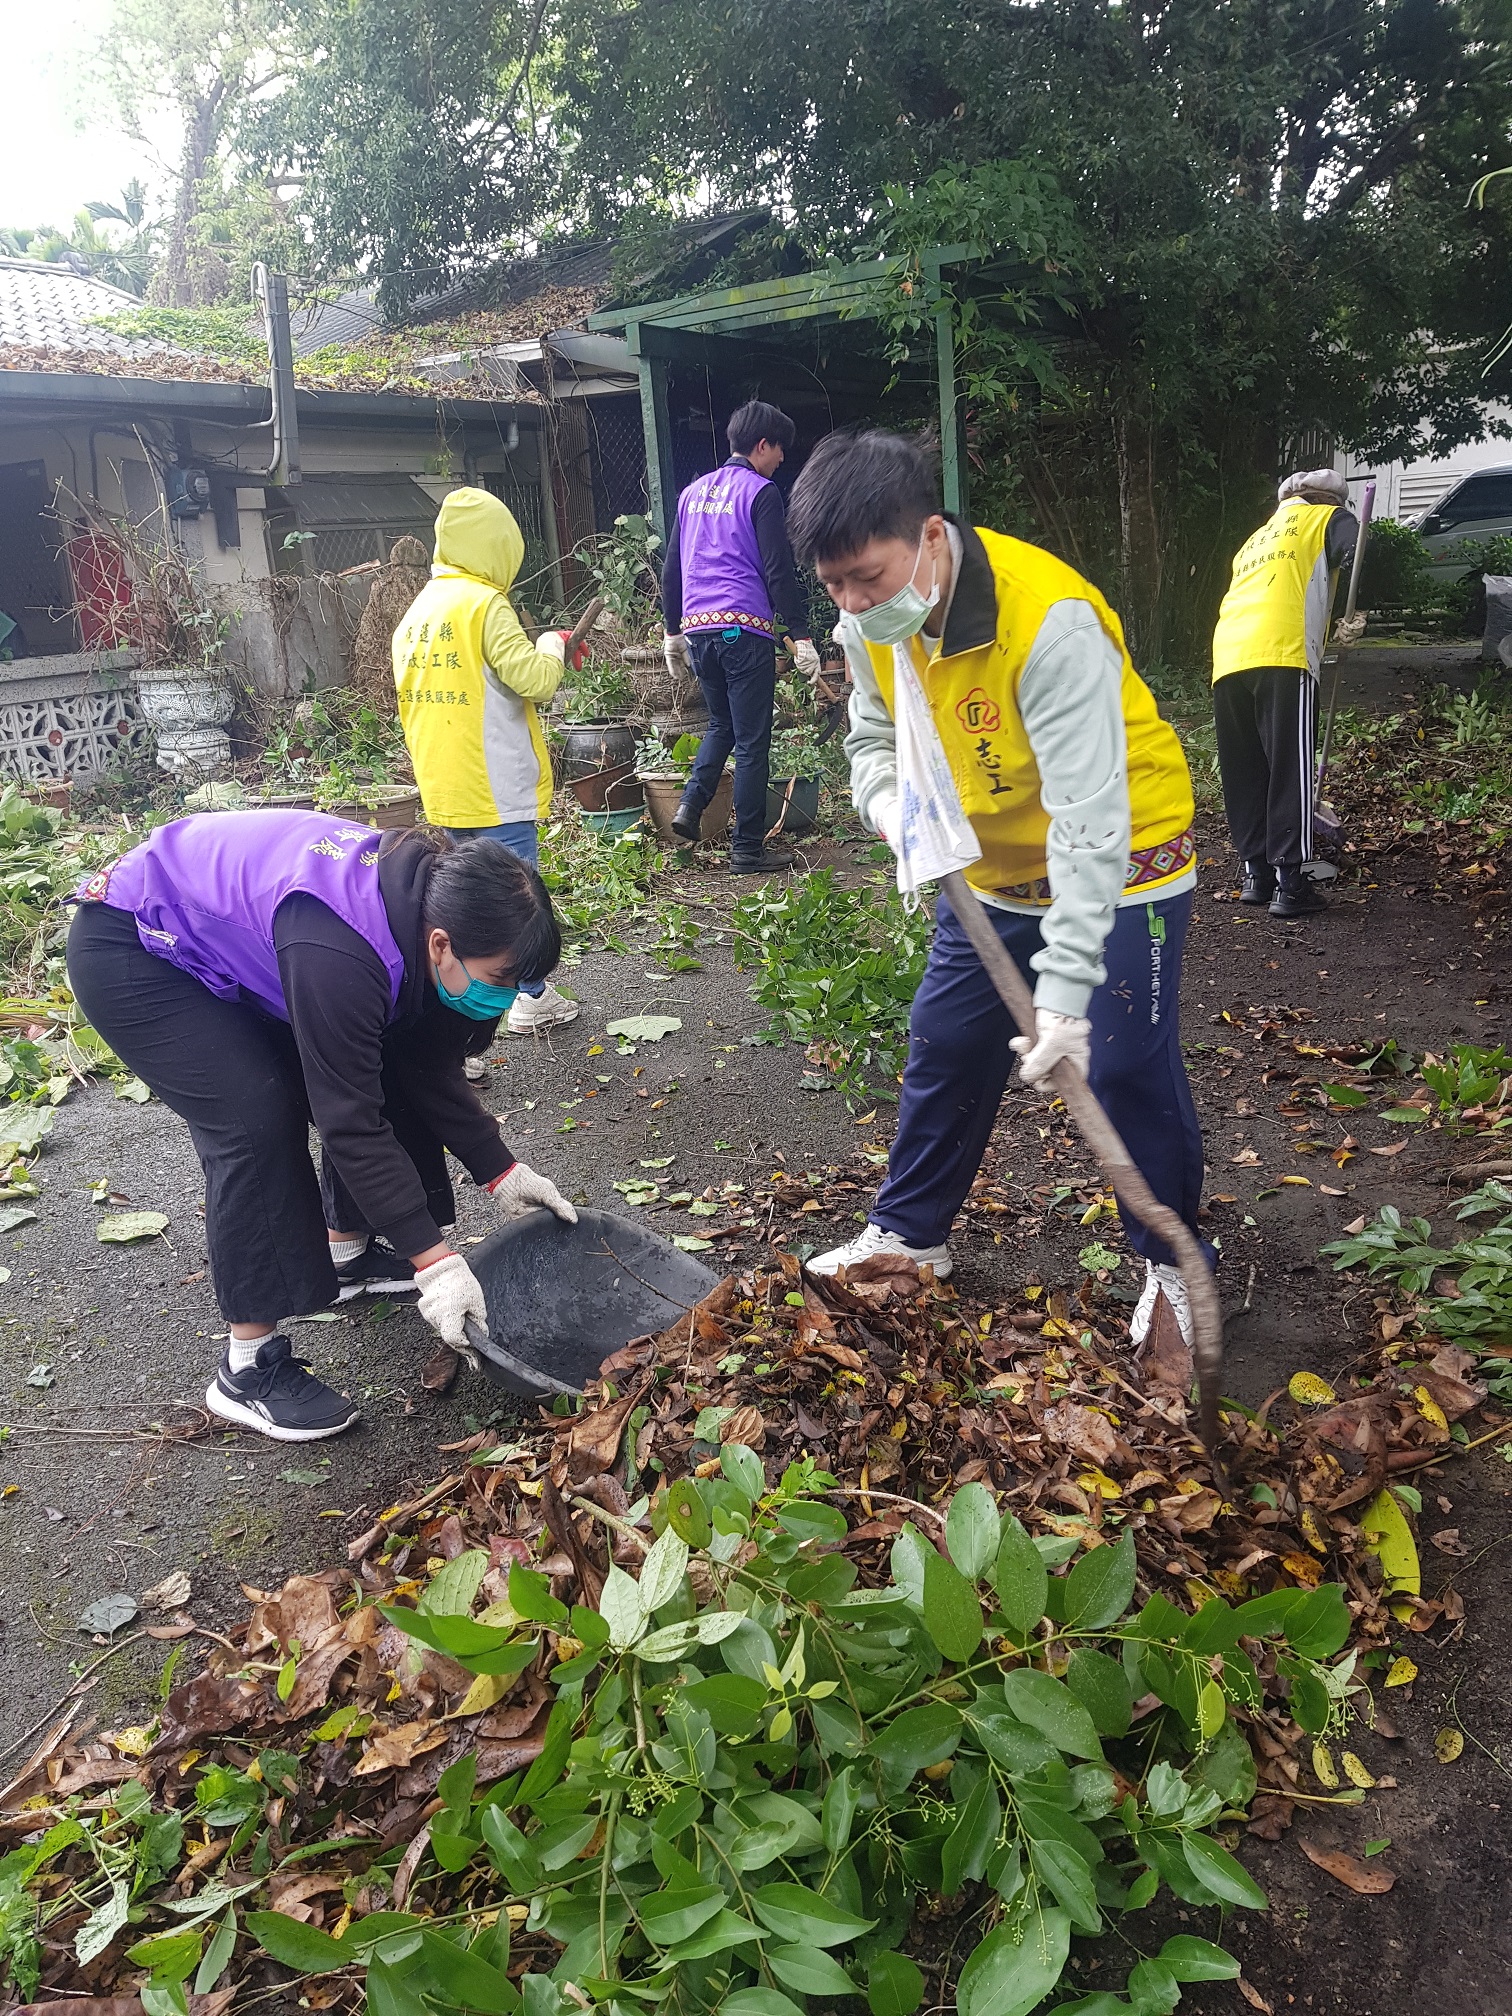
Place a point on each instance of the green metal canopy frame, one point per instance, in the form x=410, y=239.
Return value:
x=702, y=329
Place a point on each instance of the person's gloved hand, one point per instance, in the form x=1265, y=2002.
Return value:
x=450, y=1292
x=522, y=1189
x=675, y=651
x=806, y=657
x=553, y=644
x=1055, y=1036
x=887, y=816
x=1349, y=630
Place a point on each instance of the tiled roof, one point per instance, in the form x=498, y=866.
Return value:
x=46, y=306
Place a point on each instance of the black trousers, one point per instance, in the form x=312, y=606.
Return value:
x=1267, y=725
x=738, y=675
x=233, y=1075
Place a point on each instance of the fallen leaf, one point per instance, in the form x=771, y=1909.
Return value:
x=1395, y=1149
x=685, y=1242
x=1324, y=1769
x=120, y=1227
x=643, y=1028
x=1304, y=1181
x=1308, y=1390
x=1083, y=1429
x=1448, y=1541
x=1345, y=1869
x=1247, y=1158
x=108, y=1613
x=1254, y=1998
x=391, y=1749
x=1403, y=1672
x=1356, y=1770
x=1448, y=1745
x=40, y=1375
x=130, y=1742
x=172, y=1593
x=12, y=1215
x=133, y=1089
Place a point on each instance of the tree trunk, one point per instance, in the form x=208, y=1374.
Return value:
x=174, y=285
x=1141, y=545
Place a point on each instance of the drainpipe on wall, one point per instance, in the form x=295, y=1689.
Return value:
x=271, y=292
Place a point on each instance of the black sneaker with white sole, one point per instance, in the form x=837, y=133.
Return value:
x=377, y=1270
x=279, y=1396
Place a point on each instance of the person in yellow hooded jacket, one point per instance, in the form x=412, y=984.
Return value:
x=1079, y=797
x=469, y=681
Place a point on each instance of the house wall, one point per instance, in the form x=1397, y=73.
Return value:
x=287, y=633
x=1406, y=490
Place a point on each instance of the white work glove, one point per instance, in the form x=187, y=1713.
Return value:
x=675, y=651
x=521, y=1189
x=887, y=816
x=1055, y=1036
x=450, y=1292
x=806, y=657
x=552, y=644
x=1349, y=630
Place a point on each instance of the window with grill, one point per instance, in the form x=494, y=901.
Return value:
x=328, y=523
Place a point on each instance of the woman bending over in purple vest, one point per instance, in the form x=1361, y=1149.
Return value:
x=266, y=971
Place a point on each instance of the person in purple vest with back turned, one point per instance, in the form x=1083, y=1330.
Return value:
x=728, y=583
x=263, y=971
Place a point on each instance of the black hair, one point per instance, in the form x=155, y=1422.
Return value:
x=491, y=904
x=756, y=422
x=858, y=487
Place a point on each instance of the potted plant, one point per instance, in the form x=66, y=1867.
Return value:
x=793, y=780
x=595, y=735
x=145, y=596
x=663, y=773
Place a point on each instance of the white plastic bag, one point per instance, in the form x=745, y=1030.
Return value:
x=937, y=835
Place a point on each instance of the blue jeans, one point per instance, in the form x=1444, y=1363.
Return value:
x=738, y=675
x=521, y=837
x=959, y=1060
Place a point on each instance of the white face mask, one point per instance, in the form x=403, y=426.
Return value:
x=902, y=615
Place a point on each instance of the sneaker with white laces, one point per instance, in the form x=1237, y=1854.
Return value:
x=1161, y=1279
x=532, y=1013
x=279, y=1396
x=874, y=1239
x=474, y=1069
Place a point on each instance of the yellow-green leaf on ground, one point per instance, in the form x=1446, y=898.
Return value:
x=1356, y=1770
x=1308, y=1390
x=1403, y=1672
x=1447, y=1745
x=121, y=1227
x=1389, y=1538
x=1324, y=1769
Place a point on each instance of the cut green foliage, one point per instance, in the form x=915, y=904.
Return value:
x=838, y=971
x=1463, y=1291
x=738, y=1801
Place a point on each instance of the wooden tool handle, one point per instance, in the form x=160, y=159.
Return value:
x=1103, y=1138
x=584, y=624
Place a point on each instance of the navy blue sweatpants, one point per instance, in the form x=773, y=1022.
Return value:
x=959, y=1060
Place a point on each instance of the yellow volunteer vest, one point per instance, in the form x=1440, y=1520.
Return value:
x=463, y=735
x=973, y=697
x=1276, y=609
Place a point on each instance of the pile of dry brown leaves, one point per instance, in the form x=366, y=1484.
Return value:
x=896, y=1387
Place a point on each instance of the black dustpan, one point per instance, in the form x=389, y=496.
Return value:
x=562, y=1298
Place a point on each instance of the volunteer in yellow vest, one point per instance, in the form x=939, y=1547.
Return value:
x=1079, y=796
x=468, y=680
x=1266, y=652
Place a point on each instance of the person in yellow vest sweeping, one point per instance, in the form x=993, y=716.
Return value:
x=469, y=681
x=1079, y=797
x=1267, y=649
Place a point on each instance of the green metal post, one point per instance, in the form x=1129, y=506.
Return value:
x=952, y=447
x=656, y=421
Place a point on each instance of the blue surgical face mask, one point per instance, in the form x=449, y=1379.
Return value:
x=902, y=615
x=478, y=1000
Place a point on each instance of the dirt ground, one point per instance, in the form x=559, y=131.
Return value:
x=99, y=1345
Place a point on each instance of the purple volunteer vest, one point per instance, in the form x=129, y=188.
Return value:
x=723, y=585
x=204, y=892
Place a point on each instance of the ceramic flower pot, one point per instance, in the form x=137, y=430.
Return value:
x=188, y=711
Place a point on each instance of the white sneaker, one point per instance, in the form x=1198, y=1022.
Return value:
x=1167, y=1281
x=532, y=1013
x=874, y=1239
x=474, y=1069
